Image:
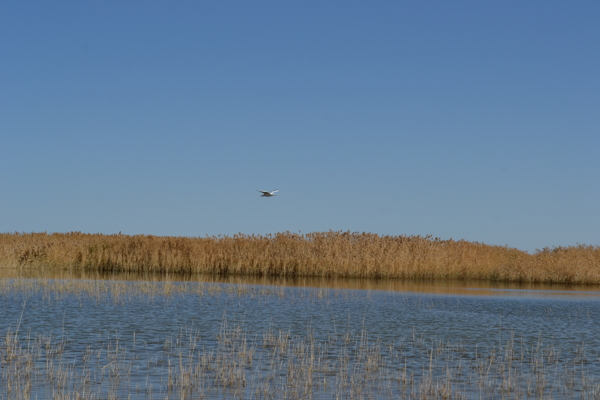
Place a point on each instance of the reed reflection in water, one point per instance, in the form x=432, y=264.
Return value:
x=448, y=287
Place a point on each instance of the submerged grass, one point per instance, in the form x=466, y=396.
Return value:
x=320, y=254
x=274, y=365
x=271, y=363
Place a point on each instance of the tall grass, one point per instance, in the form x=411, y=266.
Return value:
x=321, y=254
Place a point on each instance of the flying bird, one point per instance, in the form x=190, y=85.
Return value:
x=268, y=194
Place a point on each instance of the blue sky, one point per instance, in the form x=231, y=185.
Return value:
x=466, y=119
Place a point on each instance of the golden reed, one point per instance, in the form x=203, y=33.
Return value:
x=320, y=254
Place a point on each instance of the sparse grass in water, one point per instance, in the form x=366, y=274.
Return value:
x=327, y=254
x=273, y=363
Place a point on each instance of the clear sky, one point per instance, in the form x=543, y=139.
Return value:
x=476, y=120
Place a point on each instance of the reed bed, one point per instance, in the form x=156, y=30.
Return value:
x=324, y=254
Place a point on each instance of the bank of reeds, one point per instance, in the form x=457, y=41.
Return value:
x=321, y=254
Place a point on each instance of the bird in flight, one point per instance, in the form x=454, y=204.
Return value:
x=268, y=194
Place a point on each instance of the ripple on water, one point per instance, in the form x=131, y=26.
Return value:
x=147, y=332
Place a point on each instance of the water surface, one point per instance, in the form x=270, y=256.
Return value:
x=352, y=339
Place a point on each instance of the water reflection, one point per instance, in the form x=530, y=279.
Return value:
x=445, y=287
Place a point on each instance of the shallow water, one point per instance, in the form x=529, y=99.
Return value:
x=449, y=287
x=134, y=339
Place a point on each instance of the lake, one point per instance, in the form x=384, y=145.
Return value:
x=154, y=337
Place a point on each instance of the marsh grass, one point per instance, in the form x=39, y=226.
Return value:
x=121, y=292
x=327, y=254
x=276, y=365
x=271, y=363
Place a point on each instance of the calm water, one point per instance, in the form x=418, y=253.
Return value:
x=135, y=340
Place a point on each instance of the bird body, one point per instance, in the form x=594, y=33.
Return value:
x=268, y=194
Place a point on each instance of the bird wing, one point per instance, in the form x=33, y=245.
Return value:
x=263, y=191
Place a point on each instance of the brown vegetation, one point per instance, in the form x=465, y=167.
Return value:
x=326, y=254
x=276, y=365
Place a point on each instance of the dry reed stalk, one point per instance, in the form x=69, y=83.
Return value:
x=325, y=254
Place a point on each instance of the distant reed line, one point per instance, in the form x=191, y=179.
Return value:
x=319, y=254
